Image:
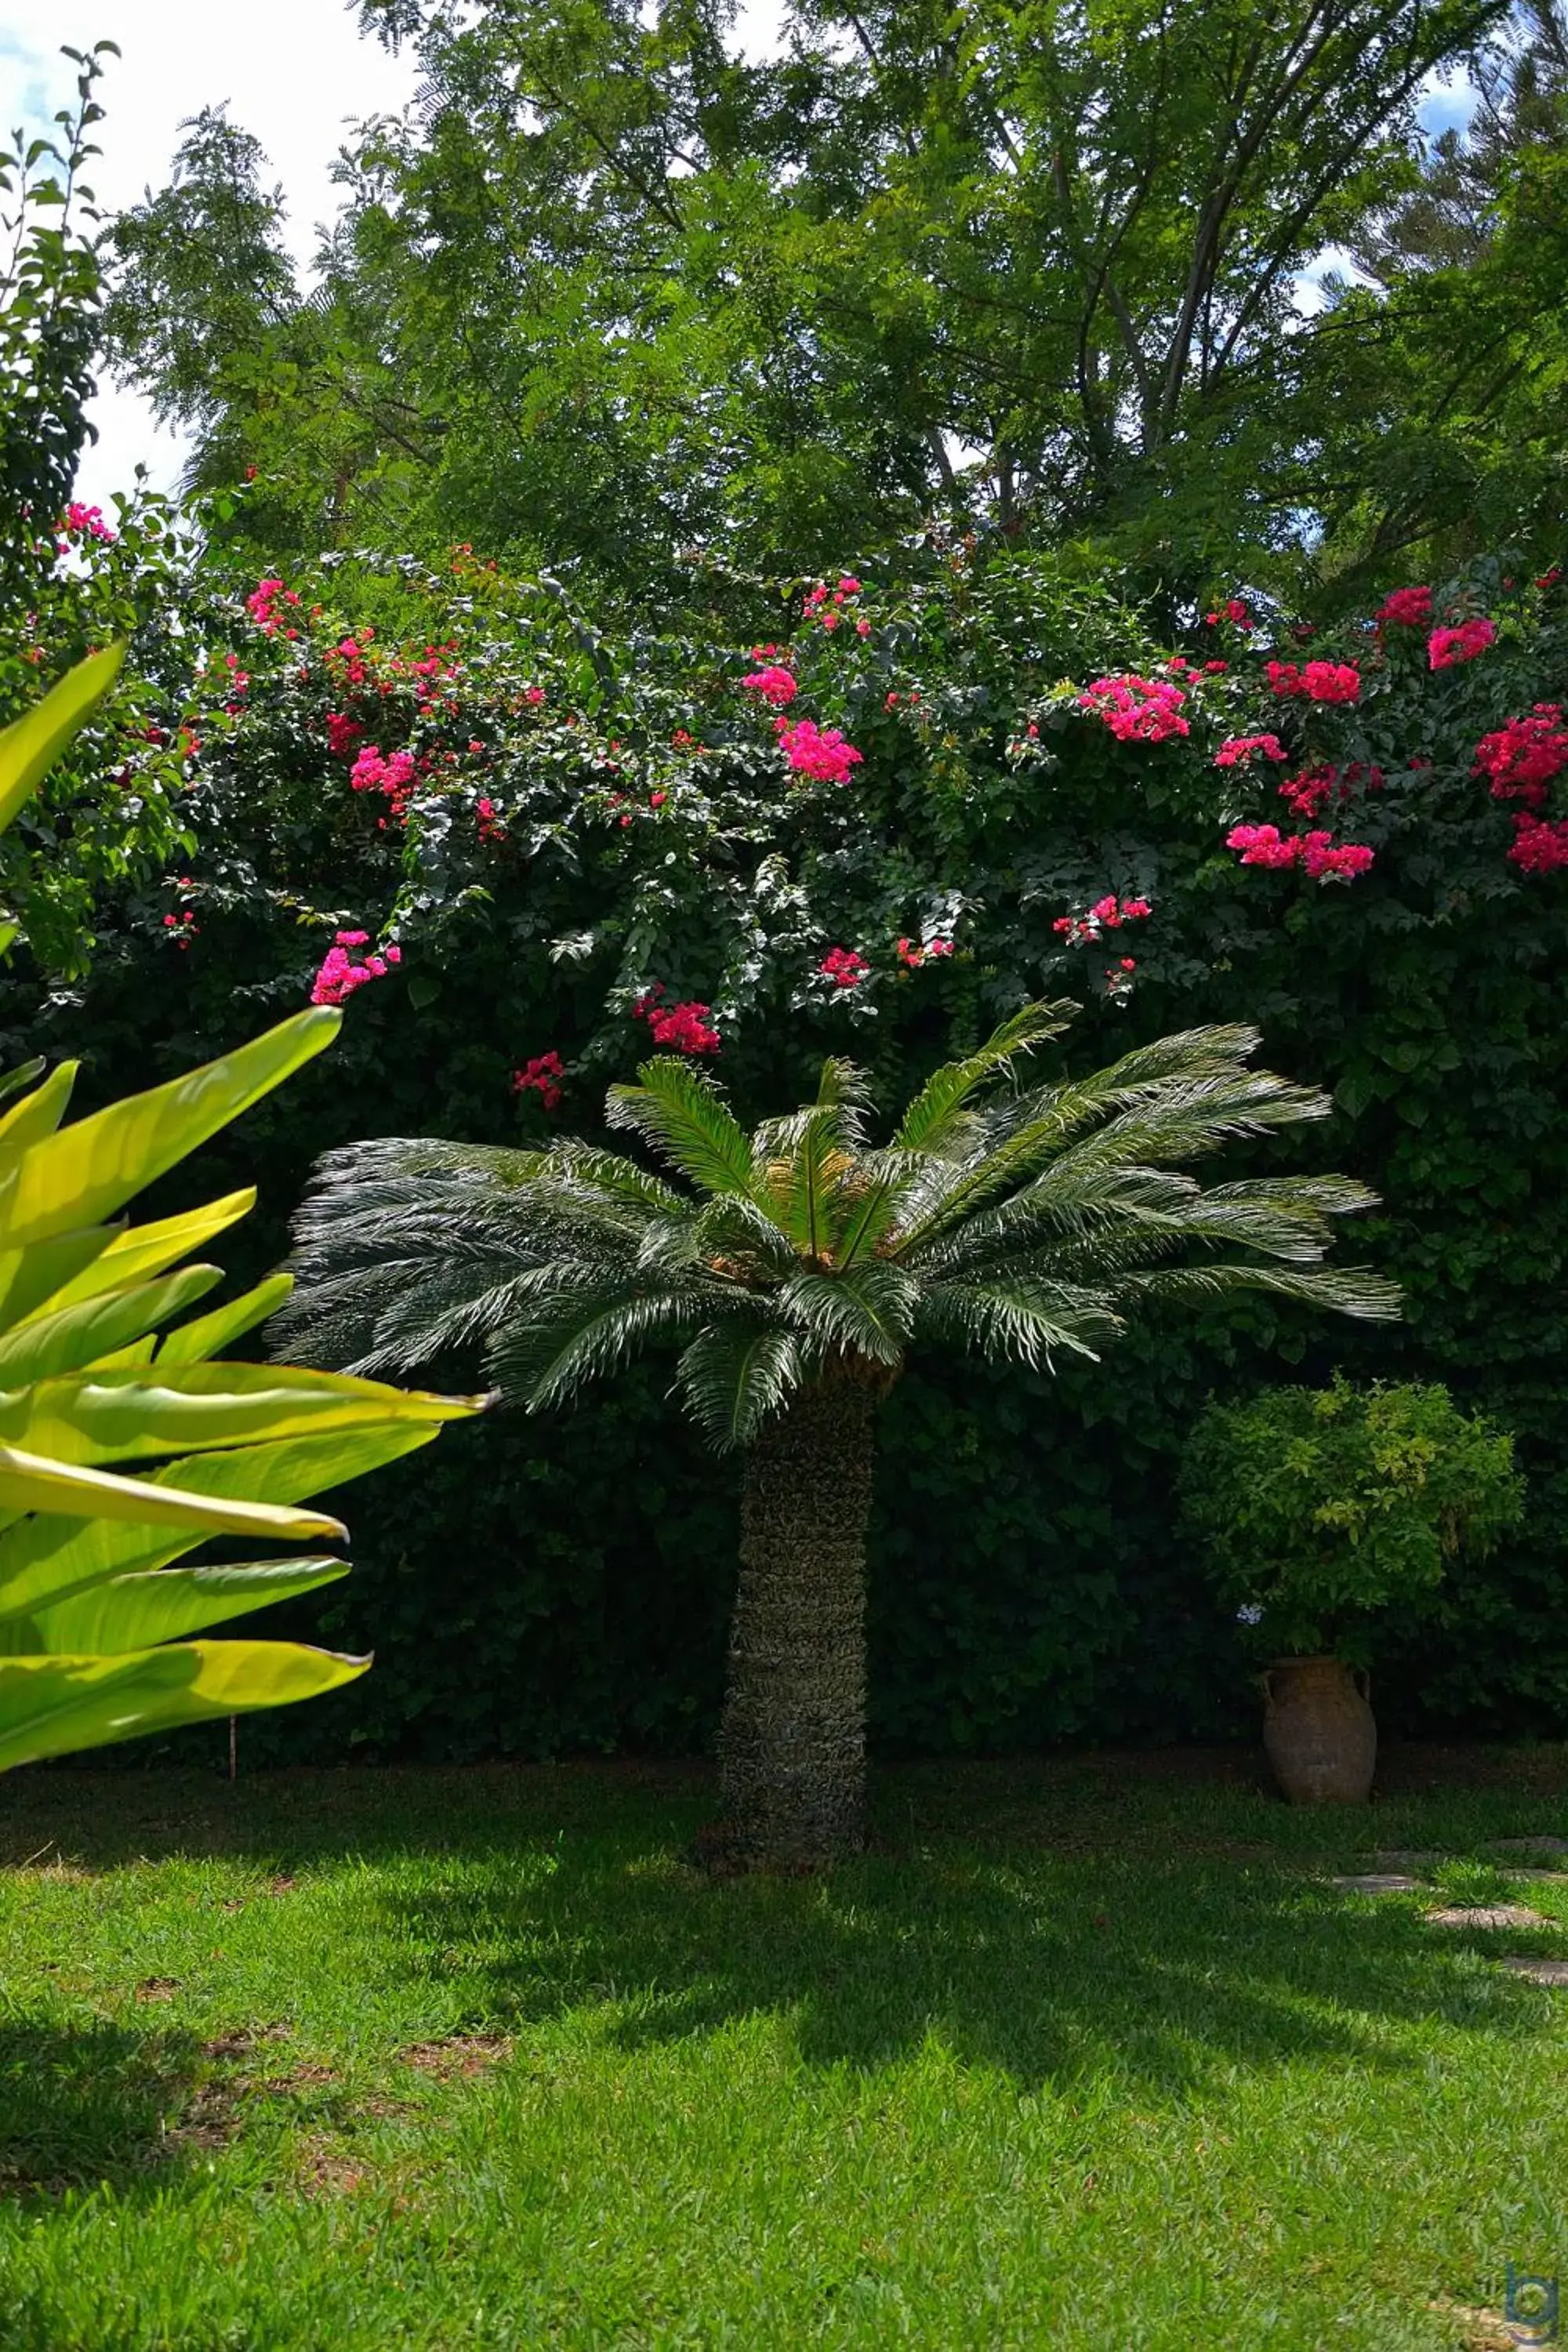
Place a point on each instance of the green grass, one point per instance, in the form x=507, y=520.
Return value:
x=1073, y=2059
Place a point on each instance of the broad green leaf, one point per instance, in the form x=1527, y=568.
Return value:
x=133, y=1253
x=117, y=1416
x=29, y=1483
x=31, y=746
x=135, y=1610
x=75, y=1337
x=48, y=1558
x=54, y=1706
x=23, y=1076
x=198, y=1343
x=90, y=1170
x=48, y=1273
x=37, y=1115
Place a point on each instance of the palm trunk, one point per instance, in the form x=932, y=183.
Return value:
x=791, y=1739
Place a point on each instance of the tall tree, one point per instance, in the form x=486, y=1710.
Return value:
x=613, y=285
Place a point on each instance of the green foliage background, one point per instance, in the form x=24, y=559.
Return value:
x=1029, y=1581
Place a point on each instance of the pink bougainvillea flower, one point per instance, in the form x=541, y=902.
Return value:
x=1523, y=755
x=1445, y=647
x=1318, y=681
x=1538, y=847
x=1237, y=748
x=845, y=967
x=820, y=752
x=1410, y=608
x=542, y=1076
x=775, y=684
x=1137, y=709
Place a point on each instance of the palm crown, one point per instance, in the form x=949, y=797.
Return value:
x=1019, y=1219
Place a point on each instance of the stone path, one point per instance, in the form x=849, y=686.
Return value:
x=1395, y=1875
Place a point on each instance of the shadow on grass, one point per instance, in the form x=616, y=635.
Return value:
x=84, y=2104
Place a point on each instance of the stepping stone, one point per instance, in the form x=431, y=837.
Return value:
x=1486, y=1914
x=1377, y=1882
x=1542, y=1877
x=1396, y=1858
x=1529, y=1845
x=1540, y=1972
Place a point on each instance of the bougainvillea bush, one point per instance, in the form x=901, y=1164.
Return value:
x=876, y=813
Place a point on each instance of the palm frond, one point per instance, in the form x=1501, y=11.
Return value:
x=938, y=1116
x=870, y=1310
x=738, y=1373
x=1356, y=1290
x=574, y=1324
x=681, y=1112
x=1020, y=1315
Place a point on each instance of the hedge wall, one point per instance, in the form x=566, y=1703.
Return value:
x=542, y=1588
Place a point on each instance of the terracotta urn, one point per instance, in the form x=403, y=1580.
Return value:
x=1319, y=1731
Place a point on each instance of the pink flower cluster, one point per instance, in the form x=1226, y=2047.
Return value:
x=492, y=828
x=775, y=684
x=1445, y=647
x=342, y=733
x=1137, y=709
x=85, y=522
x=1237, y=748
x=1233, y=610
x=1411, y=608
x=1320, y=857
x=845, y=967
x=542, y=1077
x=1538, y=847
x=260, y=602
x=1522, y=757
x=684, y=1028
x=825, y=604
x=184, y=927
x=820, y=752
x=911, y=955
x=1319, y=681
x=339, y=975
x=1107, y=914
x=1305, y=794
x=394, y=776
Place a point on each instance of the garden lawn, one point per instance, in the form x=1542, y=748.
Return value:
x=1078, y=2056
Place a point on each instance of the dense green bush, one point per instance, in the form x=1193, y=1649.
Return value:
x=634, y=822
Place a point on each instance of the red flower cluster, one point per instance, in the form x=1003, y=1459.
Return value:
x=844, y=967
x=1305, y=794
x=84, y=522
x=491, y=825
x=542, y=1077
x=1446, y=646
x=1320, y=857
x=1137, y=709
x=1410, y=607
x=342, y=733
x=1538, y=847
x=1236, y=748
x=1107, y=914
x=684, y=1028
x=1522, y=757
x=775, y=684
x=820, y=752
x=261, y=599
x=184, y=926
x=911, y=955
x=339, y=975
x=1233, y=610
x=1319, y=681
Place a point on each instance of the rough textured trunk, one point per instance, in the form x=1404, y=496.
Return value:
x=792, y=1740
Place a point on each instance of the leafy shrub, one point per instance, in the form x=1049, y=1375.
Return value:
x=1319, y=1507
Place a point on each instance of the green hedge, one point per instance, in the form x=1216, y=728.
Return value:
x=1027, y=1582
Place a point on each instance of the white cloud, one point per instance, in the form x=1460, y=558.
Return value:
x=295, y=76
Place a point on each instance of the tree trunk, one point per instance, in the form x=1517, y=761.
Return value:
x=791, y=1739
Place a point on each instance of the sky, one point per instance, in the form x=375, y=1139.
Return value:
x=297, y=90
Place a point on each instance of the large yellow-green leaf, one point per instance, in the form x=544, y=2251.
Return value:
x=75, y=1337
x=135, y=1610
x=47, y=1272
x=45, y=1560
x=208, y=1335
x=88, y=1170
x=55, y=1705
x=37, y=1115
x=31, y=746
x=28, y=1481
x=119, y=1416
x=133, y=1254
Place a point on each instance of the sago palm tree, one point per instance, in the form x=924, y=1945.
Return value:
x=800, y=1268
